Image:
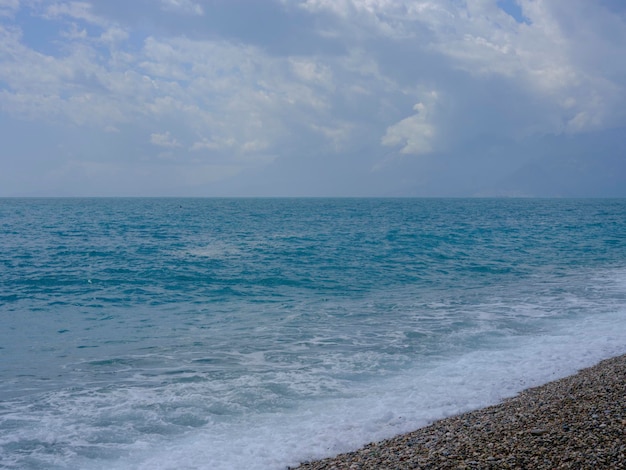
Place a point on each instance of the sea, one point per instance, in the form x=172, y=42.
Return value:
x=166, y=333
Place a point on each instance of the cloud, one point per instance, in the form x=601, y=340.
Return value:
x=311, y=71
x=206, y=144
x=338, y=137
x=182, y=6
x=198, y=80
x=164, y=140
x=344, y=84
x=415, y=134
x=545, y=56
x=76, y=10
x=9, y=7
x=114, y=35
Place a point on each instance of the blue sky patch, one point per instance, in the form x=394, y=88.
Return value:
x=512, y=8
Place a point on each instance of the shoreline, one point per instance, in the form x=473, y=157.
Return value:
x=576, y=422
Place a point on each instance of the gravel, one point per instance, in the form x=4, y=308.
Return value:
x=578, y=422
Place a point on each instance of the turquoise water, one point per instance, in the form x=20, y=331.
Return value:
x=257, y=333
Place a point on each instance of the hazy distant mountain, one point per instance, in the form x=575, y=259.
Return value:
x=588, y=165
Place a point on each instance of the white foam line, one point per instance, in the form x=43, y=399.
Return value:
x=397, y=405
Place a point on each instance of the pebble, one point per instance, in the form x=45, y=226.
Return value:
x=578, y=422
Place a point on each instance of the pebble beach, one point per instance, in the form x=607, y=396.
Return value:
x=577, y=422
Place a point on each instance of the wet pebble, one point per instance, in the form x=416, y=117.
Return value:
x=578, y=422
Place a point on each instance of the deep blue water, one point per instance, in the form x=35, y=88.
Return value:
x=257, y=333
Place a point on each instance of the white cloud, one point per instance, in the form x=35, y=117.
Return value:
x=113, y=35
x=369, y=17
x=9, y=7
x=74, y=33
x=237, y=94
x=337, y=136
x=415, y=134
x=564, y=50
x=182, y=6
x=77, y=10
x=545, y=57
x=254, y=146
x=311, y=71
x=226, y=85
x=71, y=88
x=241, y=100
x=213, y=144
x=164, y=139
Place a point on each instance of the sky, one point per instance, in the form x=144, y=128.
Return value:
x=427, y=98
